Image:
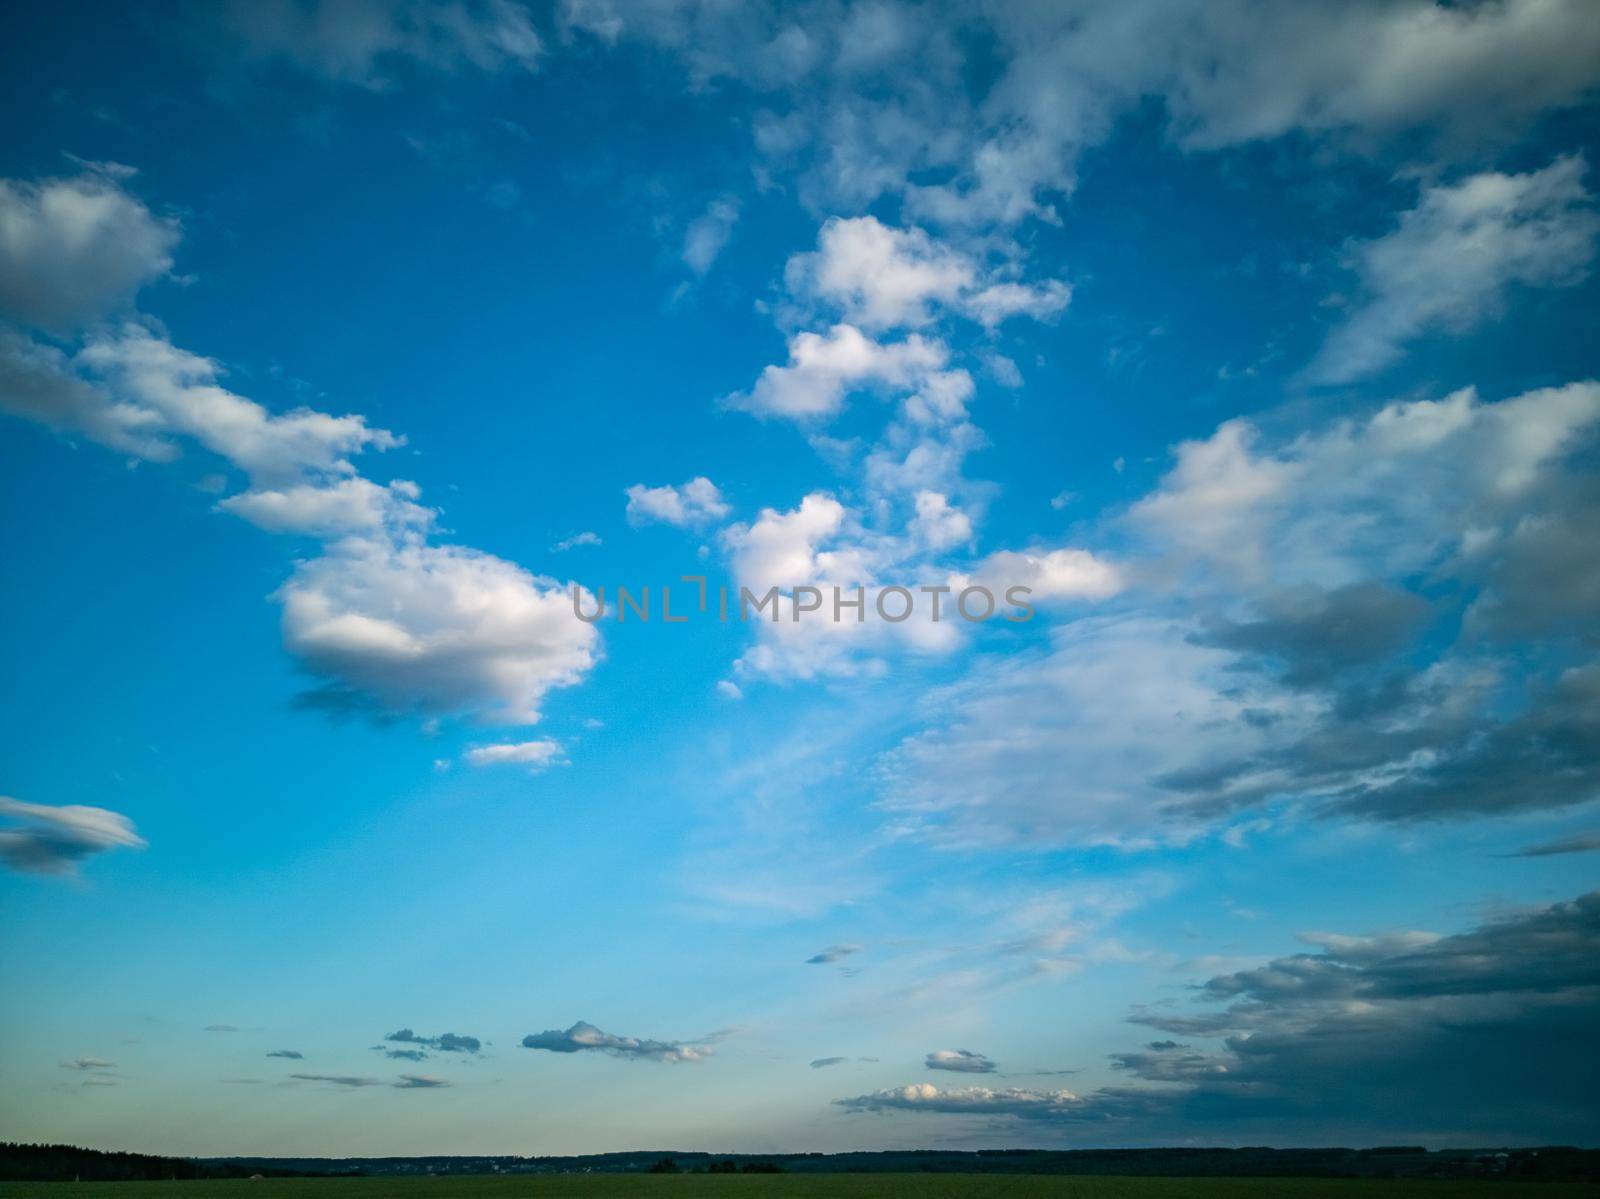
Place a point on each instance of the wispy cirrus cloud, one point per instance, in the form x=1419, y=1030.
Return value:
x=1452, y=259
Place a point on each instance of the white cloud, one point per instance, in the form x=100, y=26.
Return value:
x=709, y=233
x=1393, y=494
x=1377, y=69
x=780, y=548
x=1450, y=262
x=353, y=505
x=696, y=502
x=435, y=629
x=587, y=537
x=1448, y=79
x=883, y=278
x=38, y=383
x=999, y=302
x=937, y=524
x=824, y=368
x=381, y=616
x=1057, y=574
x=528, y=753
x=178, y=394
x=54, y=840
x=74, y=249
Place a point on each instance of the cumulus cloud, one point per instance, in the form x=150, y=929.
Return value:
x=824, y=368
x=72, y=249
x=55, y=840
x=582, y=1037
x=696, y=502
x=880, y=278
x=961, y=1061
x=576, y=540
x=833, y=953
x=344, y=506
x=434, y=629
x=938, y=524
x=1449, y=264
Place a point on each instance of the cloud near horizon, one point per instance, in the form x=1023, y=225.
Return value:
x=1426, y=1033
x=582, y=1037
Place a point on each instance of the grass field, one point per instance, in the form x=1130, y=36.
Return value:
x=799, y=1186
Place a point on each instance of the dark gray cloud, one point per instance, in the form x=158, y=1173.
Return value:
x=1580, y=843
x=54, y=840
x=1488, y=1035
x=833, y=953
x=404, y=1055
x=823, y=1062
x=962, y=1061
x=1317, y=636
x=584, y=1037
x=448, y=1042
x=1548, y=756
x=293, y=1054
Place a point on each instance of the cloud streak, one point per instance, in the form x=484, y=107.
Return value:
x=583, y=1037
x=57, y=840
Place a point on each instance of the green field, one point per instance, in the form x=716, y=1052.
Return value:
x=800, y=1186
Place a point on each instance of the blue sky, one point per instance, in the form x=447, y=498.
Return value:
x=339, y=341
